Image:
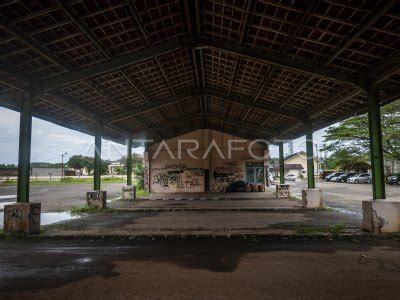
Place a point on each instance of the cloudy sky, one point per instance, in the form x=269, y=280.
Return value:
x=49, y=141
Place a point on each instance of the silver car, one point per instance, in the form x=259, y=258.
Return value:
x=361, y=178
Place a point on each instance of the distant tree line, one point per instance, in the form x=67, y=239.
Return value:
x=80, y=162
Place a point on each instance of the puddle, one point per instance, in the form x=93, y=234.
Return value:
x=8, y=197
x=347, y=211
x=47, y=218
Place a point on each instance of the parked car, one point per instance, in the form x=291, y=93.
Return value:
x=343, y=177
x=329, y=177
x=237, y=186
x=393, y=179
x=290, y=177
x=360, y=178
x=323, y=174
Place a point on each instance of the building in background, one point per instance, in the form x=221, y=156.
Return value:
x=300, y=158
x=51, y=172
x=198, y=172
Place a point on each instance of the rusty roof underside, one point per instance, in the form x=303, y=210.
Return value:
x=157, y=69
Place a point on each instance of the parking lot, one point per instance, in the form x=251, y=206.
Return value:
x=345, y=196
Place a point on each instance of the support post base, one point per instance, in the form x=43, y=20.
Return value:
x=96, y=198
x=128, y=193
x=311, y=198
x=381, y=216
x=282, y=191
x=22, y=217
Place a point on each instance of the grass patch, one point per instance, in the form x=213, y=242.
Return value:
x=141, y=193
x=92, y=210
x=334, y=230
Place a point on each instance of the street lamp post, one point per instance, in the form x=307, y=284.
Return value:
x=62, y=164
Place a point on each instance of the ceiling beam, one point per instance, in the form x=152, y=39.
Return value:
x=387, y=69
x=249, y=102
x=339, y=97
x=277, y=60
x=201, y=43
x=201, y=93
x=112, y=65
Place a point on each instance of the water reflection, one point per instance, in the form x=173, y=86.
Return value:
x=47, y=218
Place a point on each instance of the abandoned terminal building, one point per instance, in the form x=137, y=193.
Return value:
x=204, y=160
x=175, y=72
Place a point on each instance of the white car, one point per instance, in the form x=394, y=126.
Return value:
x=271, y=177
x=361, y=178
x=290, y=177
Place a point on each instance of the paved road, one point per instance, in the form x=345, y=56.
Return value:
x=57, y=197
x=344, y=196
x=199, y=270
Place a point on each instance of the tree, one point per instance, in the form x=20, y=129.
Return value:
x=77, y=162
x=138, y=171
x=7, y=166
x=343, y=157
x=350, y=139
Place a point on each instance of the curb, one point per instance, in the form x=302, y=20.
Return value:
x=214, y=237
x=248, y=209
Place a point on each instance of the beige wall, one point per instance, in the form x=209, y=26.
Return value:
x=301, y=159
x=164, y=174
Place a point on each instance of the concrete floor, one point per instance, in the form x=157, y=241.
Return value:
x=62, y=197
x=208, y=204
x=58, y=197
x=74, y=269
x=199, y=223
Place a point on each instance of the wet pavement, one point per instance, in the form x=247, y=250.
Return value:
x=47, y=218
x=75, y=269
x=58, y=197
x=199, y=224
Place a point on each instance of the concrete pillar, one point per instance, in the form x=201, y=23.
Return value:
x=312, y=197
x=281, y=164
x=378, y=216
x=24, y=150
x=129, y=191
x=97, y=197
x=23, y=216
x=310, y=155
x=376, y=149
x=282, y=189
x=129, y=163
x=97, y=158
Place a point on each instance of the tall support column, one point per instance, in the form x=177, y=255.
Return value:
x=376, y=149
x=312, y=197
x=310, y=155
x=24, y=155
x=23, y=216
x=129, y=162
x=97, y=158
x=281, y=164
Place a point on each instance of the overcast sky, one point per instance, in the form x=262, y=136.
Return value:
x=49, y=141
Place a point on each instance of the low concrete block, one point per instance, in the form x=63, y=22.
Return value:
x=128, y=193
x=311, y=198
x=282, y=191
x=97, y=199
x=381, y=216
x=22, y=217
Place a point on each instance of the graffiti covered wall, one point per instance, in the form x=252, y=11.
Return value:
x=170, y=168
x=177, y=178
x=227, y=174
